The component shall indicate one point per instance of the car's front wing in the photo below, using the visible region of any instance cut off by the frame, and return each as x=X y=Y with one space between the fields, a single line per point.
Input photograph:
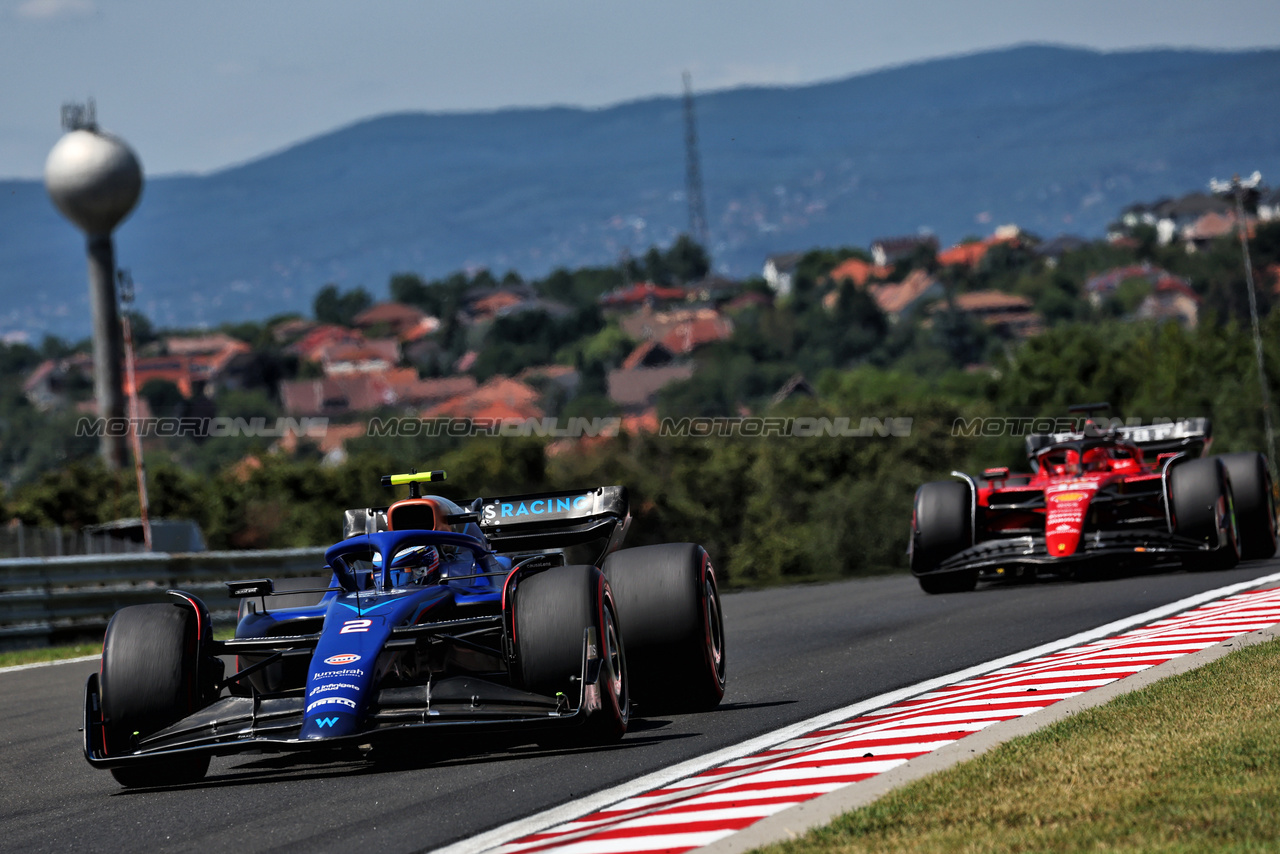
x=270 y=723
x=1128 y=547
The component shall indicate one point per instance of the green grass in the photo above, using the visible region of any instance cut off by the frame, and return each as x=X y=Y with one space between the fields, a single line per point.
x=49 y=653
x=57 y=653
x=1189 y=764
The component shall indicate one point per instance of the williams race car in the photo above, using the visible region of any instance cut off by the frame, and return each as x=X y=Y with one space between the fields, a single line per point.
x=510 y=614
x=1101 y=497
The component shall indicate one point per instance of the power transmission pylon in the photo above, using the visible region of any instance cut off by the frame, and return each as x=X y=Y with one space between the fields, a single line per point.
x=693 y=172
x=1236 y=189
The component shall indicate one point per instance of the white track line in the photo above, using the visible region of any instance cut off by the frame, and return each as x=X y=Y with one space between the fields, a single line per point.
x=592 y=803
x=16 y=667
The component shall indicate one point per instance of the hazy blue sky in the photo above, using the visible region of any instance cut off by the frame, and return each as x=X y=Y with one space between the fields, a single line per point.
x=198 y=86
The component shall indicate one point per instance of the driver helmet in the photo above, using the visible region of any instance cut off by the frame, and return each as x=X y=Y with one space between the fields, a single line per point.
x=425 y=562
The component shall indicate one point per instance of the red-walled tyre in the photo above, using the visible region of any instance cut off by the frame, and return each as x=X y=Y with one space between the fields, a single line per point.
x=670 y=606
x=1203 y=510
x=149 y=681
x=553 y=610
x=1254 y=502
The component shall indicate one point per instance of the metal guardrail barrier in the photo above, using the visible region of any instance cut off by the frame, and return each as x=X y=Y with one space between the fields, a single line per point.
x=54 y=599
x=20 y=541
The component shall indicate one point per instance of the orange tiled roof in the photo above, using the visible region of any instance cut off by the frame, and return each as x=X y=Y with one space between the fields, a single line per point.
x=312 y=345
x=395 y=314
x=500 y=397
x=643 y=422
x=969 y=254
x=642 y=292
x=687 y=337
x=858 y=271
x=216 y=342
x=495 y=303
x=991 y=301
x=896 y=297
x=964 y=254
x=642 y=352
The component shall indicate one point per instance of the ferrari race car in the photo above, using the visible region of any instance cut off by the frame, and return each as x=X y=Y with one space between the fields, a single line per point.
x=517 y=613
x=1102 y=497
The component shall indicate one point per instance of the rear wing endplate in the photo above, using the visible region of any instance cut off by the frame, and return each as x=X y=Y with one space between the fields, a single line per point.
x=1190 y=434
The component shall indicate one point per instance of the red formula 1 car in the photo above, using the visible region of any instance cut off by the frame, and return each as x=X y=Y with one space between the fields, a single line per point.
x=1104 y=497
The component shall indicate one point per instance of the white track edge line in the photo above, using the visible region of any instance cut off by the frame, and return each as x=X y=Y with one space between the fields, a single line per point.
x=16 y=667
x=583 y=806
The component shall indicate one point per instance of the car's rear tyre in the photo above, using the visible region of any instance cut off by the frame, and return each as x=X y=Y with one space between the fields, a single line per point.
x=149 y=681
x=942 y=525
x=553 y=610
x=1254 y=502
x=1202 y=510
x=670 y=604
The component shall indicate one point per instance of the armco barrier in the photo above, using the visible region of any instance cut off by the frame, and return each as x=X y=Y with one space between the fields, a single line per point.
x=43 y=600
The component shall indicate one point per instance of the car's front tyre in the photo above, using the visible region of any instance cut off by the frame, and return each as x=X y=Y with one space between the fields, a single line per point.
x=553 y=611
x=942 y=525
x=149 y=680
x=1202 y=509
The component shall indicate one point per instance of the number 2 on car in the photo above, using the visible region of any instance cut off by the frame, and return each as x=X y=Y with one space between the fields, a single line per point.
x=352 y=626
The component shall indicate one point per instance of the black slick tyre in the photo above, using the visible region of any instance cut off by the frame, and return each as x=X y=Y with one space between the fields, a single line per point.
x=670 y=605
x=1202 y=510
x=553 y=611
x=1251 y=493
x=149 y=681
x=942 y=525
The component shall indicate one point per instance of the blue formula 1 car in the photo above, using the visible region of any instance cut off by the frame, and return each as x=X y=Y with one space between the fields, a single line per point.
x=509 y=614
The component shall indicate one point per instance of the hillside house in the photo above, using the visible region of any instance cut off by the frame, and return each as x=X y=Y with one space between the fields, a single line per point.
x=1099 y=287
x=371 y=356
x=779 y=270
x=1171 y=299
x=642 y=294
x=857 y=271
x=1011 y=315
x=650 y=354
x=345 y=394
x=501 y=398
x=396 y=319
x=51 y=384
x=682 y=330
x=889 y=250
x=971 y=254
x=636 y=389
x=313 y=344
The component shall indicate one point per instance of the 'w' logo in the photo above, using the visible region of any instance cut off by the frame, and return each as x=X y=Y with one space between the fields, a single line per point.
x=324 y=722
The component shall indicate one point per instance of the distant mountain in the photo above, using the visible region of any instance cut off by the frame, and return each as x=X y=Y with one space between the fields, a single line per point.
x=1053 y=139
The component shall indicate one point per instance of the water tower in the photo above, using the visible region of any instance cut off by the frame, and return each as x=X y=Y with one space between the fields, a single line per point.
x=94 y=179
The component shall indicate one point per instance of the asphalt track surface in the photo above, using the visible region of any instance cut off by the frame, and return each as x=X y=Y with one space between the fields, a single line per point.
x=792 y=653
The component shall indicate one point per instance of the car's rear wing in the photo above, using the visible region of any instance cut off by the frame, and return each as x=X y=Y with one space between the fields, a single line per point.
x=556 y=520
x=537 y=522
x=1191 y=435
